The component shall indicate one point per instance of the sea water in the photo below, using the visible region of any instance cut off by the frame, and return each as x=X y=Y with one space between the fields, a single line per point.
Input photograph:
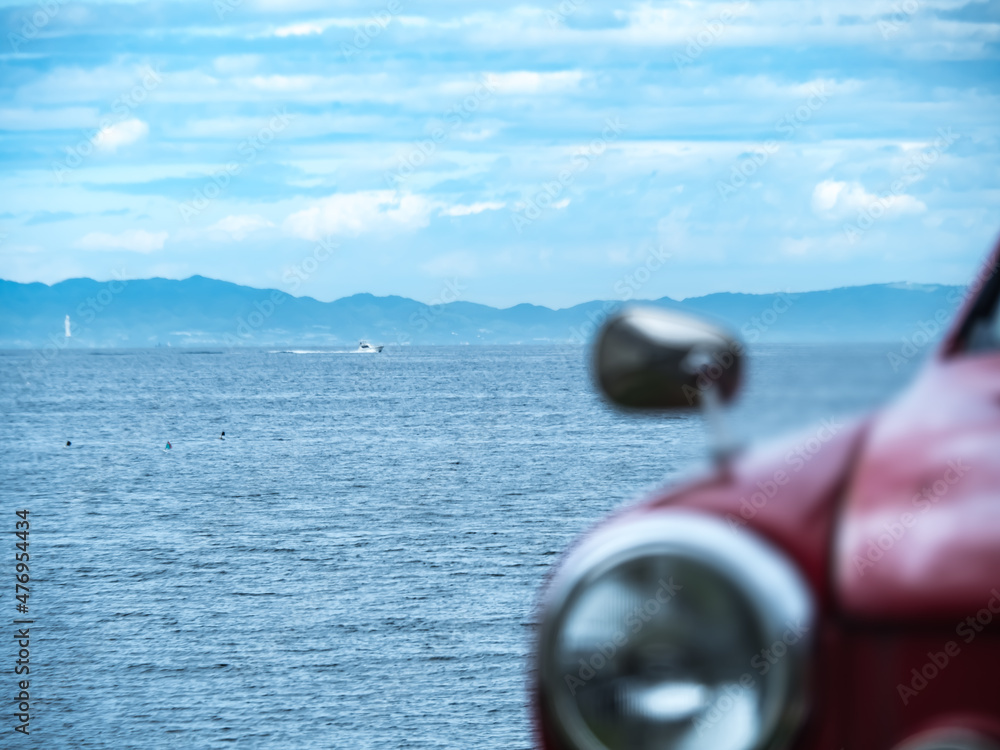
x=356 y=564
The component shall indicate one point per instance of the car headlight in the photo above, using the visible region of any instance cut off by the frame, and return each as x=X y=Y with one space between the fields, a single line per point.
x=674 y=631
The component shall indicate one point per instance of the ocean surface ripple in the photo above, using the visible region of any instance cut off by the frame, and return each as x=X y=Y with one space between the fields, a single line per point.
x=356 y=564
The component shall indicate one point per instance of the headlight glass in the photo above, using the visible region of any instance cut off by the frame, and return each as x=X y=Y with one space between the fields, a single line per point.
x=675 y=632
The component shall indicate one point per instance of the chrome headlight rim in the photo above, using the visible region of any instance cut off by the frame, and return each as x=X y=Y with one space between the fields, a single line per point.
x=766 y=577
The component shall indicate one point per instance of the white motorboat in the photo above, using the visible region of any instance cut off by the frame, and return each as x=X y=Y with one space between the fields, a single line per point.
x=365 y=348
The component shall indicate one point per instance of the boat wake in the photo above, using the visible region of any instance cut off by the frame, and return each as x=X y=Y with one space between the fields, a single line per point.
x=306 y=351
x=363 y=348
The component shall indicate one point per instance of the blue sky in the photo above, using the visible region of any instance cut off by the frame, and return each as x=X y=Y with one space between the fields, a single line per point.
x=548 y=153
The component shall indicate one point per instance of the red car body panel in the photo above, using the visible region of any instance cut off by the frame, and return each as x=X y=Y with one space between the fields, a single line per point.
x=920 y=530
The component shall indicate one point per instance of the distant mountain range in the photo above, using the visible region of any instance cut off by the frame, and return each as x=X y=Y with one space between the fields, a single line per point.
x=206 y=312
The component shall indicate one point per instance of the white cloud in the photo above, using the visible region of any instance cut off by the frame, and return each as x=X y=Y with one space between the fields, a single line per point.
x=473 y=208
x=320 y=25
x=122 y=133
x=837 y=200
x=699 y=26
x=238 y=227
x=282 y=83
x=530 y=82
x=826 y=194
x=356 y=213
x=136 y=241
x=300 y=29
x=477 y=135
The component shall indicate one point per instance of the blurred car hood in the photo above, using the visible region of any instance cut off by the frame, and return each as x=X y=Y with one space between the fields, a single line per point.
x=919 y=535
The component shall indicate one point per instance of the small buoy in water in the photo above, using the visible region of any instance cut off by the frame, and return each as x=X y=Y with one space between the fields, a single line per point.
x=68 y=444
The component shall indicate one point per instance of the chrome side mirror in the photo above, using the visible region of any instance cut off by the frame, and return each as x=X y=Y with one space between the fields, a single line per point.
x=649 y=358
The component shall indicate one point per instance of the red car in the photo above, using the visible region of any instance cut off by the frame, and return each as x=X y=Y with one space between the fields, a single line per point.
x=838 y=592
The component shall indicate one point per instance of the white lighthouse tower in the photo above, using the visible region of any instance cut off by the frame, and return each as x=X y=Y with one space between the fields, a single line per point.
x=69 y=334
